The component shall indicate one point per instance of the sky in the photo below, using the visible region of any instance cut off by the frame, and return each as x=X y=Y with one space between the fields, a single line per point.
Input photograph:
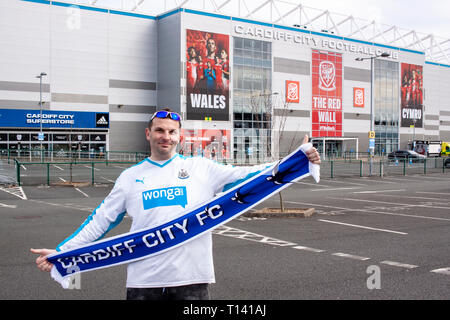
x=423 y=16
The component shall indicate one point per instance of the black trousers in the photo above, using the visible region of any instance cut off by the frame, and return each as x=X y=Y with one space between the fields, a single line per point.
x=188 y=292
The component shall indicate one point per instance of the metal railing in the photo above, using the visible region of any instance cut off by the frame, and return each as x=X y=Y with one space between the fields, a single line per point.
x=70 y=156
x=95 y=171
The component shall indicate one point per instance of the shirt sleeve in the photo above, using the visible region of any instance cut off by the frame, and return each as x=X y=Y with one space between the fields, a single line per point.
x=104 y=218
x=224 y=177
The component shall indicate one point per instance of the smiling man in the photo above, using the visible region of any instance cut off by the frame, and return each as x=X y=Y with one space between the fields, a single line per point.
x=154 y=192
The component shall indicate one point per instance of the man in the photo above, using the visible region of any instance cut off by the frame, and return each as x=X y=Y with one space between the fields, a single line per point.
x=181 y=273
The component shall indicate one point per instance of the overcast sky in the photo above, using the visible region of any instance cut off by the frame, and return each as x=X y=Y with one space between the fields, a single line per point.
x=424 y=16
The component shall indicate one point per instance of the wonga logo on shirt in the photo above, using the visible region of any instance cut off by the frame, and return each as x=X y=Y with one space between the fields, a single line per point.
x=164 y=197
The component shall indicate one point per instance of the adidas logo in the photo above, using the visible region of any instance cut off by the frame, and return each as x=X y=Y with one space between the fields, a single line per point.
x=102 y=121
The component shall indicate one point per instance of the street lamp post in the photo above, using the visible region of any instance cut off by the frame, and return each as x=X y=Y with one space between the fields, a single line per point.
x=41 y=137
x=372 y=147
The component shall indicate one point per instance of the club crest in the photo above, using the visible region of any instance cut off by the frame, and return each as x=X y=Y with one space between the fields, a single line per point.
x=183 y=174
x=327 y=76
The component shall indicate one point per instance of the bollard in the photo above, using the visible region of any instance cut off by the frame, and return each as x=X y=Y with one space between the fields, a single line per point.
x=360 y=168
x=331 y=162
x=17 y=171
x=92 y=174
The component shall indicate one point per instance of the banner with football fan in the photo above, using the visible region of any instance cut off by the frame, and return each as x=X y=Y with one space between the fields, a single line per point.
x=411 y=95
x=326 y=94
x=207 y=75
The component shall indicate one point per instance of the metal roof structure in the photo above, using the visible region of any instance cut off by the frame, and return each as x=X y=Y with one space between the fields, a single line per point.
x=293 y=13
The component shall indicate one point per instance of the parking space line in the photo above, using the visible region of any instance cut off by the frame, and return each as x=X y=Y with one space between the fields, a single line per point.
x=346 y=182
x=363 y=227
x=328 y=189
x=445 y=271
x=109 y=180
x=308 y=249
x=424 y=192
x=57 y=167
x=398 y=264
x=62 y=179
x=311 y=184
x=84 y=194
x=12 y=206
x=90 y=167
x=393 y=203
x=369 y=211
x=373 y=181
x=350 y=256
x=380 y=191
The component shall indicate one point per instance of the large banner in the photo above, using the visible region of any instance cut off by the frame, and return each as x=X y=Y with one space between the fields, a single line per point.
x=207 y=75
x=326 y=94
x=412 y=95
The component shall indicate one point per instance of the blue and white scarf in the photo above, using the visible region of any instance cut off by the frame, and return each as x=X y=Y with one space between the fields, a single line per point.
x=222 y=208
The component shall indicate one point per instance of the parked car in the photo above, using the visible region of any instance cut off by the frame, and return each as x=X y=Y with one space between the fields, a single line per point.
x=447 y=163
x=406 y=155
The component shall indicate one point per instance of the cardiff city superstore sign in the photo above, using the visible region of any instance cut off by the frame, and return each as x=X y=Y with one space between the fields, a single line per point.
x=13 y=118
x=310 y=40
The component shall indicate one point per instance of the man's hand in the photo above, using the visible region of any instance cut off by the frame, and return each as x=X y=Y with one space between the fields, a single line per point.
x=313 y=155
x=41 y=261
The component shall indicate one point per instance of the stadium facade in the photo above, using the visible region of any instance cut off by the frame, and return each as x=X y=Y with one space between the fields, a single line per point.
x=247 y=89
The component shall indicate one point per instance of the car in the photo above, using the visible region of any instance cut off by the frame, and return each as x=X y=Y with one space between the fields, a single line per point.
x=408 y=155
x=447 y=163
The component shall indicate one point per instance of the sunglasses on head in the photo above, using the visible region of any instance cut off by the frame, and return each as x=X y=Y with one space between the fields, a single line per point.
x=166 y=114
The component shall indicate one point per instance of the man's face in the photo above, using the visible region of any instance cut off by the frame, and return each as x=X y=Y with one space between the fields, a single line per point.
x=211 y=45
x=164 y=136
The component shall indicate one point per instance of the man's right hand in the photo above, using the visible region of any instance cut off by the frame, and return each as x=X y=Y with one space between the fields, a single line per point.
x=41 y=261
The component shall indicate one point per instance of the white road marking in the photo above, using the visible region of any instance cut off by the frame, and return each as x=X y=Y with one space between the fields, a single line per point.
x=369 y=211
x=245 y=235
x=108 y=179
x=398 y=264
x=12 y=206
x=308 y=249
x=402 y=179
x=363 y=227
x=392 y=203
x=328 y=189
x=350 y=256
x=62 y=179
x=448 y=194
x=90 y=167
x=311 y=184
x=16 y=191
x=23 y=167
x=57 y=167
x=380 y=191
x=445 y=271
x=374 y=181
x=346 y=182
x=84 y=194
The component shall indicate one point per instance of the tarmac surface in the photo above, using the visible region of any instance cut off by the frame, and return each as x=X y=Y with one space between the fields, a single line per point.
x=369 y=239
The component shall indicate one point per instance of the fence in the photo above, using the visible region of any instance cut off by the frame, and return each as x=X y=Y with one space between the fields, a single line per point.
x=97 y=172
x=381 y=167
x=60 y=173
x=70 y=156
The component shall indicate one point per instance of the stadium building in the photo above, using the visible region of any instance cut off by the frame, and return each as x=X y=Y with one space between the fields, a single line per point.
x=247 y=88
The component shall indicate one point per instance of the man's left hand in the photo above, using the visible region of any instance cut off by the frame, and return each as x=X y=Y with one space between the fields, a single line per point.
x=312 y=154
